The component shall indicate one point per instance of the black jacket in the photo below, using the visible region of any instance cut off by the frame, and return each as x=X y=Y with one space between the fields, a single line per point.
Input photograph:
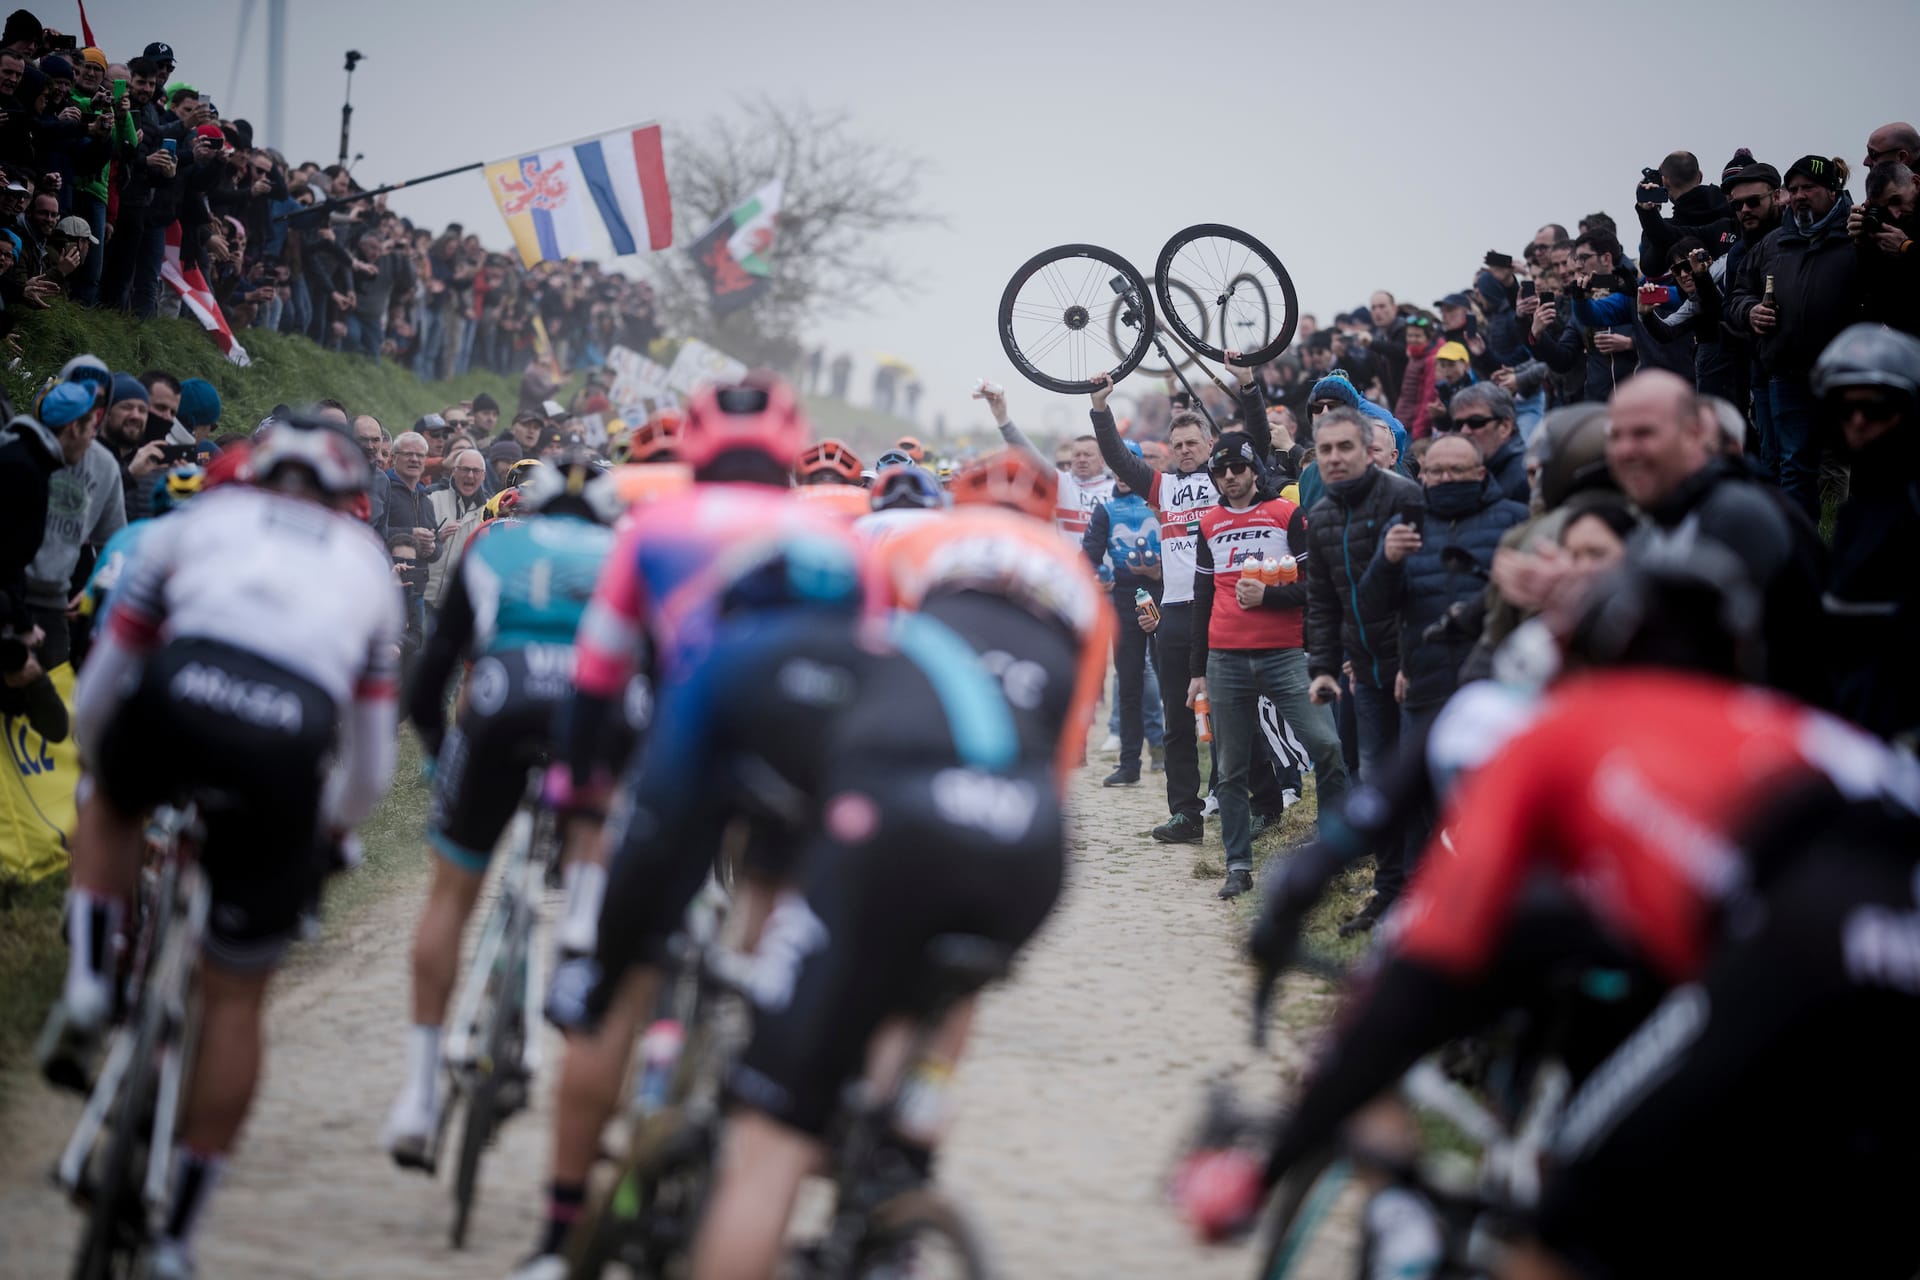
x=29 y=455
x=1703 y=213
x=1343 y=532
x=1817 y=286
x=1872 y=601
x=1569 y=349
x=1784 y=557
x=1891 y=281
x=1507 y=469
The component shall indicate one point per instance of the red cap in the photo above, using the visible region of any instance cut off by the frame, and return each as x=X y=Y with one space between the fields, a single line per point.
x=211 y=131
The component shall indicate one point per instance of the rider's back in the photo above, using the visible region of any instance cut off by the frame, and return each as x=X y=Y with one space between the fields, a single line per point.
x=530 y=581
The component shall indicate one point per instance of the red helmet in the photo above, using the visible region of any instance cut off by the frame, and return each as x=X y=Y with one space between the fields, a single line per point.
x=759 y=413
x=1008 y=478
x=658 y=438
x=912 y=448
x=832 y=457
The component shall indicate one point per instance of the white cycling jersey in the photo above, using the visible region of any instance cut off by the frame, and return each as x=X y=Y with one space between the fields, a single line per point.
x=306 y=588
x=877 y=527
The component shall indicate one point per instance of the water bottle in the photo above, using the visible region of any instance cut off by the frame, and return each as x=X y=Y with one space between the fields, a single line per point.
x=1288 y=570
x=1145 y=551
x=1203 y=719
x=1144 y=606
x=659 y=1054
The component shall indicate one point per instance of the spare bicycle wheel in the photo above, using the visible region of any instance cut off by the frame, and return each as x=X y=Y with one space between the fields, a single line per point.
x=1047 y=318
x=1192 y=310
x=1247 y=292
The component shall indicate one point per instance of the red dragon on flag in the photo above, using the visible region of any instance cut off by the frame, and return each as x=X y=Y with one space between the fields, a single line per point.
x=536 y=188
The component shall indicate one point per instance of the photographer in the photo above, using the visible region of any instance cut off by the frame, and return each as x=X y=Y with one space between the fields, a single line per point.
x=1607 y=358
x=1700 y=209
x=1884 y=230
x=383 y=269
x=411 y=577
x=111 y=132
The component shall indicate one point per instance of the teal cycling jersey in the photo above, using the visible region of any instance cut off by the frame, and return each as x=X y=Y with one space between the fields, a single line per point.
x=528 y=582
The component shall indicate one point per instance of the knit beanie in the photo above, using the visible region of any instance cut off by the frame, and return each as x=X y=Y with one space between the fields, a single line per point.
x=199 y=404
x=128 y=387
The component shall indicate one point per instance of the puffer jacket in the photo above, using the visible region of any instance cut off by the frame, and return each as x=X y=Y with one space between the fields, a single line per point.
x=1420 y=589
x=1816 y=283
x=1343 y=532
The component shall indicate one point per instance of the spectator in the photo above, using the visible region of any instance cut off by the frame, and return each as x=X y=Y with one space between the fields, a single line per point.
x=1592 y=346
x=404 y=547
x=1700 y=209
x=1815 y=273
x=85 y=507
x=1896 y=142
x=35 y=448
x=486 y=417
x=1885 y=231
x=36 y=228
x=1125 y=531
x=1343 y=532
x=528 y=426
x=408 y=507
x=502 y=456
x=1497 y=288
x=163 y=402
x=1418 y=382
x=198 y=414
x=140 y=457
x=370 y=436
x=1753 y=192
x=1483 y=414
x=461 y=504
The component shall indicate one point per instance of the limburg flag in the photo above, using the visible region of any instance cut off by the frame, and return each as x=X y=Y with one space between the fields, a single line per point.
x=734 y=252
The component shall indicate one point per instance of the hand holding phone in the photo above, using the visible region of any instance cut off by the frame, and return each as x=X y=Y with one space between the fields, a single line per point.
x=1653 y=295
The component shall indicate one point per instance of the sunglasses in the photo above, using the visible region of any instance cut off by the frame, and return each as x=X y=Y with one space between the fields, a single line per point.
x=1231 y=468
x=1873 y=408
x=1321 y=406
x=1754 y=202
x=1475 y=422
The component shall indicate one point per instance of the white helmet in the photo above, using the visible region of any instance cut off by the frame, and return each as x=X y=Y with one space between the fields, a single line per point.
x=323 y=450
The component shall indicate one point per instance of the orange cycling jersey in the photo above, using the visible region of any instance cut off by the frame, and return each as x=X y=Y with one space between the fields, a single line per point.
x=848 y=500
x=638 y=482
x=1002 y=553
x=1636 y=788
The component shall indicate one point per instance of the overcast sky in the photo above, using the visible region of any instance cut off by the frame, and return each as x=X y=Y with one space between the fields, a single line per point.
x=1371 y=145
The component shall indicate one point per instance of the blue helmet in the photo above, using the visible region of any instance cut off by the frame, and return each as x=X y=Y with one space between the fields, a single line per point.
x=906 y=488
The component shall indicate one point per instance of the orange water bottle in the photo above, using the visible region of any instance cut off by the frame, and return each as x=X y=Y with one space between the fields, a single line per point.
x=1202 y=719
x=1289 y=571
x=1269 y=571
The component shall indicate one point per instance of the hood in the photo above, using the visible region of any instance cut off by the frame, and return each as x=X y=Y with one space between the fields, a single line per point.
x=37 y=435
x=1703 y=206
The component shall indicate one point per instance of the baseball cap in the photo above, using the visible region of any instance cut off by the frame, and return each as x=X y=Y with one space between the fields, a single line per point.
x=553 y=409
x=159 y=51
x=86 y=368
x=1454 y=300
x=14 y=184
x=63 y=403
x=76 y=228
x=430 y=422
x=1759 y=171
x=1452 y=351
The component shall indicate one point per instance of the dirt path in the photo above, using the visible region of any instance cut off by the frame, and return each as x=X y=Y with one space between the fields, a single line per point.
x=1085 y=1072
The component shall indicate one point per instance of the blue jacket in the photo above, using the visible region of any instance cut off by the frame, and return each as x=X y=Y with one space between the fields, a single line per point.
x=1125 y=518
x=1336 y=387
x=1506 y=342
x=1420 y=589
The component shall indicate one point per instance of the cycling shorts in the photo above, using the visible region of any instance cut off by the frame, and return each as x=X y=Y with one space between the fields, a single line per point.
x=504 y=729
x=249 y=742
x=903 y=857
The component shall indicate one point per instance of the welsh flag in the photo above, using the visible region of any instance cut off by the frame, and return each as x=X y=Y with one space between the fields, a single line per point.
x=734 y=253
x=196 y=297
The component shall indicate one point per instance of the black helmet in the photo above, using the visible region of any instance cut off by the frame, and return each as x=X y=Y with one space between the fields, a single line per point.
x=1689 y=607
x=1867 y=355
x=1573 y=444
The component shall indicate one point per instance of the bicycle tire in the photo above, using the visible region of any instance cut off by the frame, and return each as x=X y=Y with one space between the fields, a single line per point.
x=913 y=1215
x=1074 y=317
x=667 y=1146
x=1152 y=366
x=1300 y=1206
x=118 y=1180
x=483 y=1098
x=1266 y=307
x=1289 y=296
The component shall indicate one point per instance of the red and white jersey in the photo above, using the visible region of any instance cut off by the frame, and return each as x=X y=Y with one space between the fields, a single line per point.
x=1181 y=501
x=1233 y=538
x=1074 y=502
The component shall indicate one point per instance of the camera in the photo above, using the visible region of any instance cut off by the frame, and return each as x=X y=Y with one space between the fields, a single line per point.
x=412 y=573
x=1650 y=178
x=1873 y=220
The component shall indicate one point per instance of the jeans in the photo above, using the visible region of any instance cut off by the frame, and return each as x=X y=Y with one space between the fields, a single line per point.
x=86 y=286
x=1235 y=680
x=463 y=351
x=298 y=316
x=1175 y=649
x=364 y=334
x=1791 y=450
x=1135 y=714
x=268 y=315
x=426 y=361
x=1377 y=718
x=1394 y=867
x=149 y=254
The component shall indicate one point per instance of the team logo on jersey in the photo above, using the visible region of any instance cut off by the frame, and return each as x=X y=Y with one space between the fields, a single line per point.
x=265 y=706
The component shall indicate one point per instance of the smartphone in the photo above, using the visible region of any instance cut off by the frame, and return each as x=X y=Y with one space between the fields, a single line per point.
x=1608 y=283
x=175 y=454
x=169 y=146
x=1526 y=288
x=1653 y=295
x=119 y=88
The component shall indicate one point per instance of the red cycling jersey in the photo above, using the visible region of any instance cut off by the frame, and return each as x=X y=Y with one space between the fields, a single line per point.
x=1635 y=787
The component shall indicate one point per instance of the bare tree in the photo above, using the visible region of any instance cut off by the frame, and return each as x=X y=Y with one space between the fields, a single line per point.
x=842 y=193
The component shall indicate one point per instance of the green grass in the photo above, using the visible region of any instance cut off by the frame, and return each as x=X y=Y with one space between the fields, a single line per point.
x=285 y=370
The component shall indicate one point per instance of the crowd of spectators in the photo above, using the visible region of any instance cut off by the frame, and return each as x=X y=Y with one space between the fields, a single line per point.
x=106 y=157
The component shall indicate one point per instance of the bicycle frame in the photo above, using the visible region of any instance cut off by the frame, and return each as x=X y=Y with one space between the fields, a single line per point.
x=520 y=888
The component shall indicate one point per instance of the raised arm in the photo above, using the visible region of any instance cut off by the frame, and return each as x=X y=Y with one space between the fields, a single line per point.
x=1016 y=438
x=1131 y=471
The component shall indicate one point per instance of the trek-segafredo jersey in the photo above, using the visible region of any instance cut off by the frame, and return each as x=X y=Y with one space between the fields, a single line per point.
x=1181 y=501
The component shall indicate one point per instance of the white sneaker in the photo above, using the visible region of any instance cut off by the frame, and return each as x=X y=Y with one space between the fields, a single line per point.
x=541 y=1266
x=1112 y=743
x=1211 y=808
x=408 y=1136
x=169 y=1260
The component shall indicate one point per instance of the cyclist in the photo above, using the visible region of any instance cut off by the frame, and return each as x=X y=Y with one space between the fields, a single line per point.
x=251 y=654
x=657 y=439
x=176 y=488
x=923 y=763
x=828 y=462
x=511 y=609
x=1647 y=784
x=901 y=498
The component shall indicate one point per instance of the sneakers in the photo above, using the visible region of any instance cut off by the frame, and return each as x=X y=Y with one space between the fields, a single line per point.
x=68 y=1050
x=1123 y=777
x=408 y=1136
x=1211 y=808
x=1366 y=917
x=1259 y=822
x=1238 y=881
x=1112 y=744
x=541 y=1266
x=1156 y=759
x=169 y=1260
x=1181 y=828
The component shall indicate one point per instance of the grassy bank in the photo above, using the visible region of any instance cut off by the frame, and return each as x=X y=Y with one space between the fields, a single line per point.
x=284 y=371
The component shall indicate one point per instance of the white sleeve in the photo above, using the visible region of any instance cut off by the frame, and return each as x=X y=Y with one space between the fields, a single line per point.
x=369 y=729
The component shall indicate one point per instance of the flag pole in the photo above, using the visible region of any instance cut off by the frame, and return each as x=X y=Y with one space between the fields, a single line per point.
x=318 y=211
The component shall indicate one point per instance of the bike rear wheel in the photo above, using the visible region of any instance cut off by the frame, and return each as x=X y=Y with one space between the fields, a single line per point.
x=1194 y=311
x=501 y=1053
x=919 y=1234
x=1313 y=1227
x=116 y=1226
x=1046 y=318
x=1241 y=282
x=649 y=1213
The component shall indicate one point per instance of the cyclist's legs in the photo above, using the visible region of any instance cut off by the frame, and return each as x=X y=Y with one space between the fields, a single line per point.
x=591 y=1072
x=226 y=1073
x=436 y=940
x=746 y=1220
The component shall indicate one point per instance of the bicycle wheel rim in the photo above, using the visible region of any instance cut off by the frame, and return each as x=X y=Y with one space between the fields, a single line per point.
x=1303 y=1203
x=910 y=1231
x=1213 y=258
x=116 y=1195
x=1046 y=318
x=483 y=1099
x=1152 y=365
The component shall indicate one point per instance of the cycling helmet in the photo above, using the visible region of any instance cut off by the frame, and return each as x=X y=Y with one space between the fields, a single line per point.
x=518 y=473
x=891 y=458
x=830 y=461
x=1008 y=478
x=1689 y=607
x=804 y=570
x=1866 y=355
x=658 y=438
x=906 y=488
x=912 y=448
x=1573 y=443
x=759 y=413
x=180 y=483
x=503 y=503
x=572 y=486
x=320 y=449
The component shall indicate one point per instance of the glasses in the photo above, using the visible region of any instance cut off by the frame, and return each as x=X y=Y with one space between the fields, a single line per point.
x=410 y=453
x=1872 y=408
x=469 y=471
x=1754 y=202
x=1474 y=422
x=1451 y=473
x=459 y=424
x=1232 y=469
x=1321 y=406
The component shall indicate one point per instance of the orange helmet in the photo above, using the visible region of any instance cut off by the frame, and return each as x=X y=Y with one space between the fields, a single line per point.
x=912 y=448
x=1008 y=478
x=831 y=457
x=658 y=438
x=760 y=412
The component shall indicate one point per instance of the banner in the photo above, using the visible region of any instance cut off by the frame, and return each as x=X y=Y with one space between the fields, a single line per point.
x=639 y=385
x=36 y=794
x=196 y=297
x=733 y=254
x=555 y=199
x=697 y=363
